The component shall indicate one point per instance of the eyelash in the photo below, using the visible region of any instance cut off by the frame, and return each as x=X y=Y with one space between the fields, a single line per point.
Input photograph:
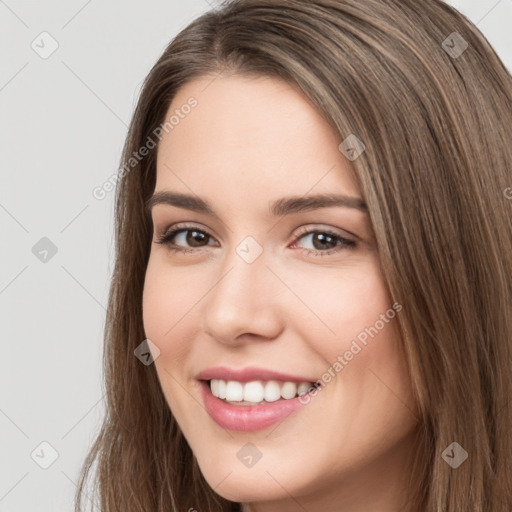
x=166 y=238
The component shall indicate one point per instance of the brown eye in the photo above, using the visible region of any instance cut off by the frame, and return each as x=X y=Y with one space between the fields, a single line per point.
x=184 y=239
x=195 y=238
x=325 y=241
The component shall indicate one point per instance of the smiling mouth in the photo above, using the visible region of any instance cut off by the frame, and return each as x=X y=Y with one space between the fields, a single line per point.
x=257 y=392
x=243 y=406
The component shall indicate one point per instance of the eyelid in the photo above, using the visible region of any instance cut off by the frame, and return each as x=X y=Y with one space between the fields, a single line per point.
x=302 y=230
x=164 y=237
x=182 y=226
x=342 y=233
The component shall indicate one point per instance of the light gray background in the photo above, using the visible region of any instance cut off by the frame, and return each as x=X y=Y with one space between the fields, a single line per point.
x=63 y=120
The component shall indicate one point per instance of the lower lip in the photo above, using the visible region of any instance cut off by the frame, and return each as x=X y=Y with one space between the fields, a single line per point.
x=247 y=418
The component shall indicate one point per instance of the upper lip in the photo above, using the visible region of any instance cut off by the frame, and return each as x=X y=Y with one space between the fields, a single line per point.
x=248 y=374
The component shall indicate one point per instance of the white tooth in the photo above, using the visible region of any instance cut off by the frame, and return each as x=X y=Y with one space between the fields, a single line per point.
x=253 y=391
x=289 y=390
x=214 y=386
x=234 y=391
x=221 y=388
x=303 y=387
x=272 y=391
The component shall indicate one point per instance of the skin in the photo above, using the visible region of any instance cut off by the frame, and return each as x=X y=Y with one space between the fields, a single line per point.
x=250 y=141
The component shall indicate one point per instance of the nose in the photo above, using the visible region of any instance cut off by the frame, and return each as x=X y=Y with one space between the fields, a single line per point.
x=243 y=304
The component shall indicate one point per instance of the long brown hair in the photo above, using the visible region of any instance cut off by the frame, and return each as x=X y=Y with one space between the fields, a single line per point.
x=431 y=100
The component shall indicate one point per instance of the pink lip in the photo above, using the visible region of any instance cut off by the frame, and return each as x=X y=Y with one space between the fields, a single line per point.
x=246 y=418
x=248 y=374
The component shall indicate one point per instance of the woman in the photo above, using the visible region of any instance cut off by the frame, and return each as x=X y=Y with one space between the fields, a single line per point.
x=311 y=303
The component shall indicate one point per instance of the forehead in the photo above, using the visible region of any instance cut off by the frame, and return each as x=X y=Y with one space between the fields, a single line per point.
x=253 y=135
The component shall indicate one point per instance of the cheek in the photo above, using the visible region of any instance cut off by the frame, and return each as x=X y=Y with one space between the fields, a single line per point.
x=346 y=308
x=356 y=334
x=153 y=306
x=165 y=311
x=168 y=318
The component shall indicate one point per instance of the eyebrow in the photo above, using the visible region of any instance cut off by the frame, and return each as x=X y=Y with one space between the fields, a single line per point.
x=280 y=207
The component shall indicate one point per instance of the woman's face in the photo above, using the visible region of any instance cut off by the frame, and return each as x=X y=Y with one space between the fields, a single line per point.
x=274 y=286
